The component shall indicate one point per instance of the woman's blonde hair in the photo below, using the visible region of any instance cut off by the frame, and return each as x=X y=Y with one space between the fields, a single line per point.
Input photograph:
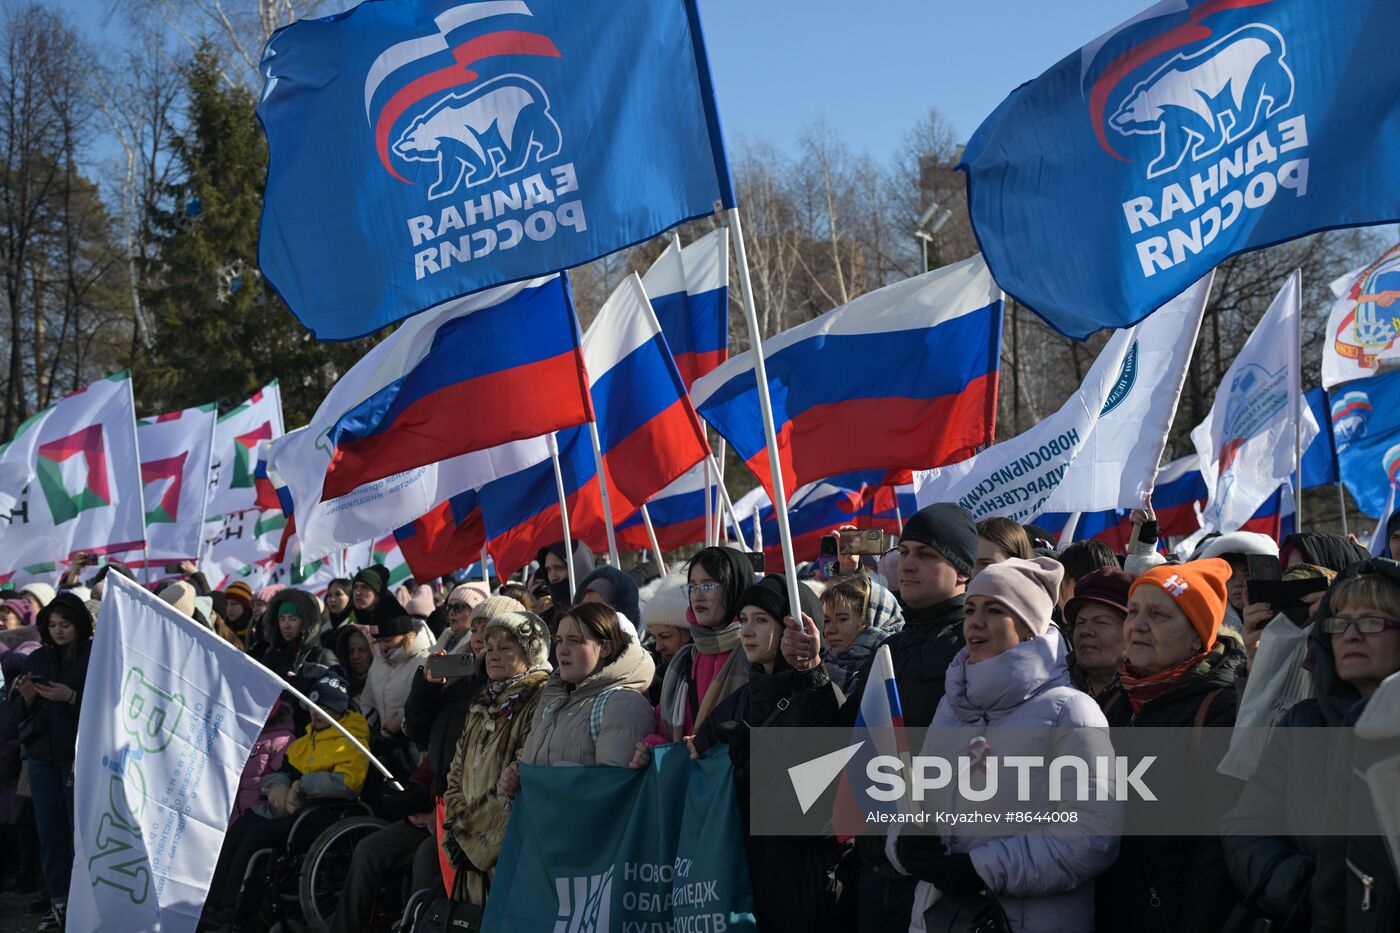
x=1365 y=591
x=851 y=590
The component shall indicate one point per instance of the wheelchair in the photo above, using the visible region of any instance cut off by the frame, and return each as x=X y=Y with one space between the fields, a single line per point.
x=298 y=886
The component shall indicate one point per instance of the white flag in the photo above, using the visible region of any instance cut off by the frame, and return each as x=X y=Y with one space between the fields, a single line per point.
x=298 y=461
x=84 y=491
x=176 y=451
x=170 y=714
x=1246 y=445
x=236 y=450
x=1364 y=326
x=1101 y=449
x=241 y=546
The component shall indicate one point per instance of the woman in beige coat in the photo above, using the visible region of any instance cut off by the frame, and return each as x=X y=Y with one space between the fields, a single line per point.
x=594 y=709
x=498 y=721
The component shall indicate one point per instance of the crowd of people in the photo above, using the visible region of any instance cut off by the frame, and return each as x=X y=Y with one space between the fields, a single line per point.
x=986 y=624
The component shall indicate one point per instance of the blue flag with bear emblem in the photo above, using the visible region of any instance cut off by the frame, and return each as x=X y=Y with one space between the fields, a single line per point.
x=424 y=149
x=1198 y=130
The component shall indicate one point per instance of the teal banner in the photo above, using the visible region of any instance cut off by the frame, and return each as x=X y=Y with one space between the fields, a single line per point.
x=598 y=850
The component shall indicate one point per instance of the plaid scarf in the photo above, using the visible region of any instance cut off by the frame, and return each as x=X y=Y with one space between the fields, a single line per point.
x=1142 y=688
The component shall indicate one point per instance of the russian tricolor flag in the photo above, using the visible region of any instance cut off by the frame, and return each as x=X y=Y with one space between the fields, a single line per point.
x=677 y=514
x=818 y=509
x=444 y=540
x=476 y=372
x=880 y=730
x=647 y=429
x=689 y=291
x=901 y=378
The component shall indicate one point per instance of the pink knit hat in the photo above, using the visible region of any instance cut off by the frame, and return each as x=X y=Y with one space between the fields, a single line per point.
x=421 y=602
x=1028 y=588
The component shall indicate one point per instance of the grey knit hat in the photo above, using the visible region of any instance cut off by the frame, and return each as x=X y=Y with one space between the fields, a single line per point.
x=494 y=606
x=528 y=630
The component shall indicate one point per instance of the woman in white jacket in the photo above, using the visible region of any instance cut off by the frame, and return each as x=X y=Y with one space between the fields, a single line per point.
x=401 y=642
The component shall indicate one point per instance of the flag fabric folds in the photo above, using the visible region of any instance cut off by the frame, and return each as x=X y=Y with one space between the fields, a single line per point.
x=168 y=722
x=82 y=487
x=444 y=540
x=647 y=429
x=1197 y=130
x=473 y=373
x=1102 y=448
x=677 y=514
x=176 y=450
x=1364 y=323
x=423 y=150
x=820 y=508
x=904 y=377
x=233 y=477
x=677 y=812
x=1246 y=444
x=689 y=291
x=1366 y=426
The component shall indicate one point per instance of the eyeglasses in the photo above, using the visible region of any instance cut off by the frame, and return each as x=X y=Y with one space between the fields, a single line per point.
x=1367 y=625
x=457 y=607
x=690 y=589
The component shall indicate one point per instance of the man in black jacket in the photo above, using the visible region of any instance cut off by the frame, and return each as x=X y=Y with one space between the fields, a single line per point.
x=936 y=553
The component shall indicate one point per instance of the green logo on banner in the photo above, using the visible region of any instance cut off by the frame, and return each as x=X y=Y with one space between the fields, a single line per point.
x=65 y=504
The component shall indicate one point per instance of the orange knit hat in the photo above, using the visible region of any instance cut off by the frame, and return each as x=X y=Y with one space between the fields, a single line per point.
x=1198 y=588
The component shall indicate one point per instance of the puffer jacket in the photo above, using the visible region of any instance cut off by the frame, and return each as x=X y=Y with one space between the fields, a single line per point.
x=50 y=729
x=325 y=762
x=1044 y=883
x=390 y=679
x=562 y=734
x=492 y=736
x=1275 y=871
x=433 y=717
x=288 y=658
x=1174 y=883
x=269 y=751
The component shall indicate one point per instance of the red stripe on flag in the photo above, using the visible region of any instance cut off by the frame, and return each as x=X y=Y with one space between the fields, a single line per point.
x=510 y=405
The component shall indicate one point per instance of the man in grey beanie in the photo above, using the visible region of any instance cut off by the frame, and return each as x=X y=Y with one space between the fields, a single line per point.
x=936 y=554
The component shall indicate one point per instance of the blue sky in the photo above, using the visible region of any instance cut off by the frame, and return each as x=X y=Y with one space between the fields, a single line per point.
x=873 y=68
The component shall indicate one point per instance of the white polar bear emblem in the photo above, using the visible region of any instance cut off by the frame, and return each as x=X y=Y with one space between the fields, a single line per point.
x=1212 y=97
x=486 y=132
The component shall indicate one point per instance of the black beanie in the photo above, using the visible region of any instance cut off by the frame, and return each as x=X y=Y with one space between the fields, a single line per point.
x=330 y=693
x=770 y=595
x=948 y=529
x=375 y=576
x=390 y=619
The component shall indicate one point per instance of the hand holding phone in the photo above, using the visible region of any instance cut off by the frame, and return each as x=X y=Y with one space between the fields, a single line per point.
x=449 y=666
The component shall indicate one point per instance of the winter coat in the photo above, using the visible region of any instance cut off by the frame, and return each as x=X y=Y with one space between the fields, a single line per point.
x=492 y=736
x=390 y=679
x=563 y=730
x=792 y=890
x=49 y=730
x=1355 y=888
x=1044 y=883
x=269 y=751
x=450 y=642
x=1275 y=871
x=921 y=653
x=325 y=762
x=1175 y=883
x=16 y=645
x=288 y=658
x=623 y=596
x=433 y=717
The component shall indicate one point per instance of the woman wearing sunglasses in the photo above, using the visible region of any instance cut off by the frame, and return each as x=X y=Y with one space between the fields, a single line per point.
x=1355 y=644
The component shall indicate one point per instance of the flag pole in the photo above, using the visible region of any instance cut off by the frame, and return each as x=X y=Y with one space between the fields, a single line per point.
x=1342 y=506
x=603 y=488
x=485 y=574
x=709 y=514
x=335 y=724
x=765 y=404
x=898 y=515
x=563 y=514
x=729 y=507
x=719 y=482
x=655 y=545
x=1298 y=406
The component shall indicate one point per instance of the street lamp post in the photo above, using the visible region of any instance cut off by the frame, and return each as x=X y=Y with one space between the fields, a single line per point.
x=930 y=222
